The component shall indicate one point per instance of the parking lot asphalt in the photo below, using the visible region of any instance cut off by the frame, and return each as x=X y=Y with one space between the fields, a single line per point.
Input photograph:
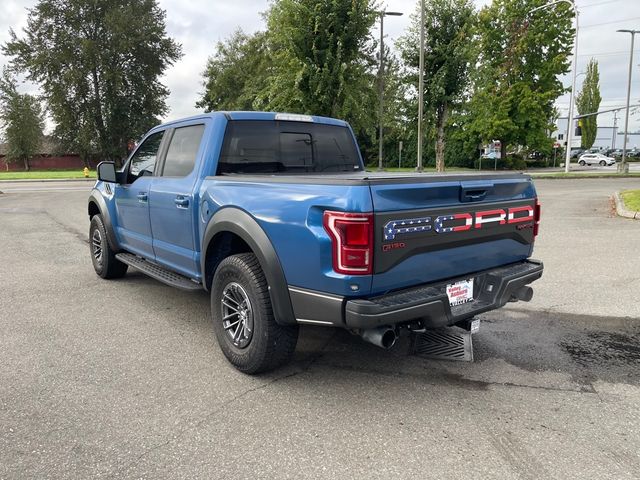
x=124 y=379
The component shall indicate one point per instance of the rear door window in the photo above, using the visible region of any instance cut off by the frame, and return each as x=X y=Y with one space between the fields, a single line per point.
x=182 y=151
x=287 y=147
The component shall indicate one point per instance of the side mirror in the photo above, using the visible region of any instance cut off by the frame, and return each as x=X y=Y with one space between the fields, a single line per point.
x=107 y=172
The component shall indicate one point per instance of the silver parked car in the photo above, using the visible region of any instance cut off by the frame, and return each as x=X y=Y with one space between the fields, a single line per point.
x=596 y=159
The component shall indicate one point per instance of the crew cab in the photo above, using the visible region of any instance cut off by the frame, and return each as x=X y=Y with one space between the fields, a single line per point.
x=276 y=217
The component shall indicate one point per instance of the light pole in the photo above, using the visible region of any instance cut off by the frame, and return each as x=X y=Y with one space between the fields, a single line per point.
x=568 y=147
x=381 y=81
x=573 y=69
x=624 y=167
x=420 y=88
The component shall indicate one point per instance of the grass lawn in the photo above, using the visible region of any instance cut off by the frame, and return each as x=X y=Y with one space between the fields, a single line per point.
x=45 y=175
x=583 y=175
x=632 y=200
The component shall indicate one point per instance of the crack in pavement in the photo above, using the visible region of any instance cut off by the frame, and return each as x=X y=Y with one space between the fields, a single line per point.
x=208 y=416
x=80 y=236
x=201 y=422
x=458 y=380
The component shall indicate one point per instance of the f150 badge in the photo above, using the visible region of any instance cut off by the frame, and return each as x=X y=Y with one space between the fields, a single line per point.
x=458 y=222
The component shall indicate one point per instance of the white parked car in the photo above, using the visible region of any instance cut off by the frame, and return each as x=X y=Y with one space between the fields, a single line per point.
x=596 y=159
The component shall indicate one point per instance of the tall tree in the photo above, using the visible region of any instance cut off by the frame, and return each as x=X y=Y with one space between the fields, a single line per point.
x=99 y=66
x=323 y=60
x=22 y=121
x=236 y=75
x=588 y=101
x=520 y=58
x=447 y=58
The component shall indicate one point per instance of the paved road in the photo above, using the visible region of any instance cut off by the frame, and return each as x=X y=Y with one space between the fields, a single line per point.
x=124 y=379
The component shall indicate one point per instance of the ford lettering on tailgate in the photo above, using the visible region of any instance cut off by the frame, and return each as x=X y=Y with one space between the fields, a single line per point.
x=458 y=222
x=400 y=235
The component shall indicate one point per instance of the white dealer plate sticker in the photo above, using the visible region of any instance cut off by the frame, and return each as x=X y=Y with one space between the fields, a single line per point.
x=460 y=292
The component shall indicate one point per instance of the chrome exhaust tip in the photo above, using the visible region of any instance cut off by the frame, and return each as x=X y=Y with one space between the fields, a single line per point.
x=383 y=337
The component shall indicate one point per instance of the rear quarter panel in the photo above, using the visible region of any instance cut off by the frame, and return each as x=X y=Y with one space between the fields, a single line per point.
x=291 y=216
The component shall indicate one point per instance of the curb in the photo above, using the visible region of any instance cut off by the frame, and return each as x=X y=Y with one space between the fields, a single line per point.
x=18 y=180
x=621 y=209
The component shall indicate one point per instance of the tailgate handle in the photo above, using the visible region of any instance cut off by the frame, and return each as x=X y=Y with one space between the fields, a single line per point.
x=476 y=194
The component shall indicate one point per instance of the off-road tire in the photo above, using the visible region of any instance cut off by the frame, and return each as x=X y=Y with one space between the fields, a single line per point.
x=105 y=262
x=270 y=345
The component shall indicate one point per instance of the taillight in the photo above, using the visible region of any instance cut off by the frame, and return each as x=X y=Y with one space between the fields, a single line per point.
x=536 y=218
x=352 y=241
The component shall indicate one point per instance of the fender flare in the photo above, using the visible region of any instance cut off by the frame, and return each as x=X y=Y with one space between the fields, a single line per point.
x=243 y=225
x=100 y=202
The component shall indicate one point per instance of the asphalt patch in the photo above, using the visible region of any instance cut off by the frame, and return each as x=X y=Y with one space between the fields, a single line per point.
x=604 y=348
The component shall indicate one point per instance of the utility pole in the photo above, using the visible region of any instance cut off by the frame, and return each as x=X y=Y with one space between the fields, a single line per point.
x=420 y=87
x=615 y=130
x=623 y=166
x=567 y=157
x=381 y=82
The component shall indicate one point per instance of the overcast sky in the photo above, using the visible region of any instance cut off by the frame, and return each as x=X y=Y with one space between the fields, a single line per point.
x=199 y=24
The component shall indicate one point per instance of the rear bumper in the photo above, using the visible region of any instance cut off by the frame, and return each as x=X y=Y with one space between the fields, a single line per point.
x=430 y=304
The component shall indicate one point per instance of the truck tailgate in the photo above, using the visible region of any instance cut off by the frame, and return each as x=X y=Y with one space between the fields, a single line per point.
x=436 y=227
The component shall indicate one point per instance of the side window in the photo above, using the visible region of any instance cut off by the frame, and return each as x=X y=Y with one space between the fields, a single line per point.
x=182 y=151
x=143 y=161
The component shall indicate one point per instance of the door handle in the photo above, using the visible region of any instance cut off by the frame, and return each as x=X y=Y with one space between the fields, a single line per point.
x=181 y=202
x=142 y=196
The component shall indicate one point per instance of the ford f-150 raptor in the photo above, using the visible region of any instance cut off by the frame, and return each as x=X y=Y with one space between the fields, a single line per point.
x=276 y=217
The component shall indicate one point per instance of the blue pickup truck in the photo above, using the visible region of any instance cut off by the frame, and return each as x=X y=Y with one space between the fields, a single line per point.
x=276 y=217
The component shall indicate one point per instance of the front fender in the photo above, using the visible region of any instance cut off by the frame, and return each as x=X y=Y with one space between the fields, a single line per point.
x=97 y=198
x=243 y=225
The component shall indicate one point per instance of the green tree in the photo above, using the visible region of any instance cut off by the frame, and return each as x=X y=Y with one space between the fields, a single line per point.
x=394 y=118
x=447 y=58
x=588 y=101
x=22 y=121
x=323 y=59
x=99 y=66
x=236 y=75
x=520 y=58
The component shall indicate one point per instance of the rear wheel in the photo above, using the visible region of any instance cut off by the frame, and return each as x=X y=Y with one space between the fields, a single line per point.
x=103 y=257
x=243 y=319
x=602 y=163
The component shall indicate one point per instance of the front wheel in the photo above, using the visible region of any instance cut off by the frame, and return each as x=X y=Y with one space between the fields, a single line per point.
x=581 y=163
x=243 y=319
x=103 y=257
x=602 y=163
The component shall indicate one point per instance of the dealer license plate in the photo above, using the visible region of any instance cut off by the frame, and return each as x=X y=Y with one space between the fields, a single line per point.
x=460 y=292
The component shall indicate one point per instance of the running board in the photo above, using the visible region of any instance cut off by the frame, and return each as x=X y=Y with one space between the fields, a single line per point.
x=159 y=273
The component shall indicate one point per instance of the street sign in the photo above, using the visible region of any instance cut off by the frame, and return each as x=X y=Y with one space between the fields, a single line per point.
x=556 y=145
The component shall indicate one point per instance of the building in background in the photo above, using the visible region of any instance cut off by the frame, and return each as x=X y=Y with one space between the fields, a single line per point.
x=606 y=137
x=50 y=157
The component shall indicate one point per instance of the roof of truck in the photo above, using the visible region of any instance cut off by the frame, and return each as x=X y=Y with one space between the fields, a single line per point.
x=241 y=115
